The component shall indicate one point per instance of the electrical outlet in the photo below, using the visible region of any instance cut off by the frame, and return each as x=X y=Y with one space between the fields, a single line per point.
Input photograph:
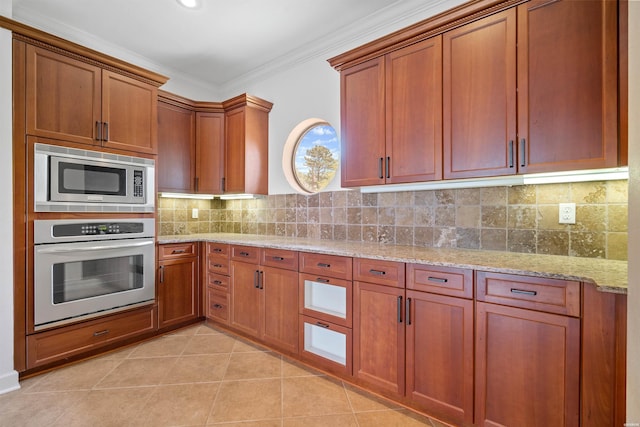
x=194 y=213
x=567 y=213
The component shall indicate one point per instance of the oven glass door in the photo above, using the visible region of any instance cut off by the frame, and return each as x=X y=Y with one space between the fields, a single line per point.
x=88 y=278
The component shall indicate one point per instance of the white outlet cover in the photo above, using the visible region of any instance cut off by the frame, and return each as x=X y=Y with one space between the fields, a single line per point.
x=194 y=213
x=567 y=213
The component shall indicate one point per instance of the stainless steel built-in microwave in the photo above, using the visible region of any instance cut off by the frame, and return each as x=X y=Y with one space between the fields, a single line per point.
x=72 y=180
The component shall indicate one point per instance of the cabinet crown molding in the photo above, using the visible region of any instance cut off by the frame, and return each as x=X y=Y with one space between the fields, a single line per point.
x=437 y=24
x=32 y=35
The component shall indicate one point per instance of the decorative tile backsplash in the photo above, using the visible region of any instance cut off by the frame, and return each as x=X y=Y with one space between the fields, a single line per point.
x=514 y=219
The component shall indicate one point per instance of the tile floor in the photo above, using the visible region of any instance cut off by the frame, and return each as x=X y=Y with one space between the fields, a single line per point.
x=196 y=376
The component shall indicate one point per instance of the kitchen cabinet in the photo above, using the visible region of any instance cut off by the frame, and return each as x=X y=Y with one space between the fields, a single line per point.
x=264 y=295
x=479 y=97
x=567 y=85
x=392 y=107
x=190 y=145
x=65 y=343
x=209 y=152
x=176 y=148
x=439 y=341
x=178 y=285
x=379 y=317
x=560 y=114
x=79 y=101
x=326 y=315
x=246 y=127
x=524 y=90
x=217 y=266
x=527 y=338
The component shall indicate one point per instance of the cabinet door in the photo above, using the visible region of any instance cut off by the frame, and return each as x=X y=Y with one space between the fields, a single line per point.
x=234 y=162
x=63 y=97
x=129 y=113
x=209 y=152
x=479 y=99
x=567 y=85
x=178 y=291
x=245 y=298
x=279 y=293
x=527 y=367
x=176 y=149
x=440 y=355
x=378 y=337
x=363 y=124
x=246 y=162
x=414 y=112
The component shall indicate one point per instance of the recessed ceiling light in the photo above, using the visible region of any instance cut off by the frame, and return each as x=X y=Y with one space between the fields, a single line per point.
x=191 y=4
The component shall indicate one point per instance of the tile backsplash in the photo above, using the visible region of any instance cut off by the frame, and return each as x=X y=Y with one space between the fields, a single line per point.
x=515 y=219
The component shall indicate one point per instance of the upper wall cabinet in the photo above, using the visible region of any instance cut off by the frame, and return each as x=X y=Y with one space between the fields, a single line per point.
x=246 y=162
x=479 y=102
x=71 y=100
x=567 y=85
x=523 y=89
x=212 y=147
x=176 y=147
x=392 y=106
x=190 y=145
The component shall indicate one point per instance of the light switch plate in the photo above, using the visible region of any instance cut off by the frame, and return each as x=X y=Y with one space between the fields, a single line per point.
x=567 y=213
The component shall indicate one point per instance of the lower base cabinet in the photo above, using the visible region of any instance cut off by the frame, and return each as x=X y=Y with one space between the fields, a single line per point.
x=264 y=299
x=439 y=372
x=378 y=337
x=527 y=368
x=177 y=284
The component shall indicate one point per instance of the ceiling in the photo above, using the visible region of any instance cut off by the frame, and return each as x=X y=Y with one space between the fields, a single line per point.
x=221 y=41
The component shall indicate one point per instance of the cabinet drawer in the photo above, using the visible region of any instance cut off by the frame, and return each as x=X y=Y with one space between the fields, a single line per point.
x=454 y=282
x=218 y=265
x=49 y=346
x=280 y=258
x=177 y=250
x=535 y=293
x=389 y=273
x=326 y=344
x=326 y=265
x=218 y=281
x=217 y=305
x=245 y=253
x=325 y=298
x=218 y=249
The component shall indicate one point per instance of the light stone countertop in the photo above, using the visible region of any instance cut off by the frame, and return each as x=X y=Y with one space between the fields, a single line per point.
x=606 y=275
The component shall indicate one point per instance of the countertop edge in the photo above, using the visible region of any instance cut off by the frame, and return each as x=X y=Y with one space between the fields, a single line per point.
x=612 y=278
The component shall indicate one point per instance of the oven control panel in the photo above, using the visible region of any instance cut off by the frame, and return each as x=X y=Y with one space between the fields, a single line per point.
x=75 y=230
x=92 y=229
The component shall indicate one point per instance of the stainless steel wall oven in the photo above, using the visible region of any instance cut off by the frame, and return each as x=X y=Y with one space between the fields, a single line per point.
x=88 y=268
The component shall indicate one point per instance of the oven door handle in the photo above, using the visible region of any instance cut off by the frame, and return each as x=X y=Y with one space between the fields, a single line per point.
x=93 y=248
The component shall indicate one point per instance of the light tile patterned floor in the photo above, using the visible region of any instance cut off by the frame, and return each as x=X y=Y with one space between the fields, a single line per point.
x=196 y=376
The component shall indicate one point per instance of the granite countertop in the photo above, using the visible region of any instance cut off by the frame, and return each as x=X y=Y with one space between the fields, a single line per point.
x=606 y=275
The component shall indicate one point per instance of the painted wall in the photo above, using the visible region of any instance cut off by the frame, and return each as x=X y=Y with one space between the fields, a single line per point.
x=8 y=377
x=633 y=325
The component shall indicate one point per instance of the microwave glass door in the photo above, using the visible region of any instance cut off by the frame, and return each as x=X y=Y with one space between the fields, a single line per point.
x=75 y=178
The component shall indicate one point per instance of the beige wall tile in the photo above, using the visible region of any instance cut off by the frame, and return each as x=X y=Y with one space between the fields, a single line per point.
x=489 y=218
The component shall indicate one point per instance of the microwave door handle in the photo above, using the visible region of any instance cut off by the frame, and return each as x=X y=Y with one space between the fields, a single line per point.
x=93 y=248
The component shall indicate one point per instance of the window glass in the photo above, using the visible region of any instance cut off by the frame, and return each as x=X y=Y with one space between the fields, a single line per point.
x=312 y=152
